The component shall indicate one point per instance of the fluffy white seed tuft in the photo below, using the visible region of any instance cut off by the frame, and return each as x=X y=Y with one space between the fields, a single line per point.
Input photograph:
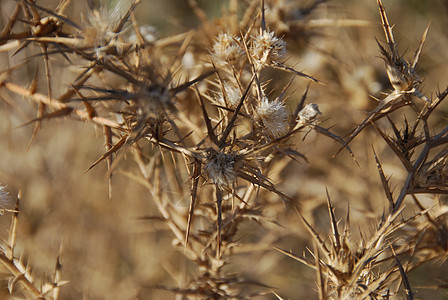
x=309 y=112
x=226 y=49
x=307 y=115
x=98 y=30
x=267 y=48
x=4 y=197
x=274 y=116
x=233 y=96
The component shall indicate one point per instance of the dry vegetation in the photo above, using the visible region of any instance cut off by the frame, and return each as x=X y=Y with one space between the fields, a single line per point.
x=224 y=149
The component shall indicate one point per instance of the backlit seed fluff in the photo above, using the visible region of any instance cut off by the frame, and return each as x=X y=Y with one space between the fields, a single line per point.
x=274 y=117
x=226 y=49
x=309 y=113
x=220 y=168
x=266 y=47
x=4 y=197
x=99 y=28
x=233 y=96
x=148 y=32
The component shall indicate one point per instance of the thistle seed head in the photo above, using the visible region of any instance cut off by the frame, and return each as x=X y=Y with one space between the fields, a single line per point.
x=274 y=117
x=220 y=168
x=98 y=31
x=232 y=93
x=156 y=102
x=309 y=113
x=226 y=49
x=267 y=48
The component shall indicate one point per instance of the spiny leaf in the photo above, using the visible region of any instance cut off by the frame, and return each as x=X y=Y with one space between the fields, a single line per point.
x=125 y=18
x=65 y=111
x=11 y=21
x=406 y=163
x=301 y=103
x=112 y=150
x=269 y=187
x=347 y=225
x=334 y=225
x=91 y=112
x=377 y=113
x=315 y=236
x=384 y=181
x=57 y=276
x=194 y=191
x=320 y=277
x=409 y=293
x=388 y=30
x=40 y=111
x=281 y=66
x=78 y=82
x=298 y=258
x=207 y=121
x=420 y=47
x=232 y=121
x=185 y=85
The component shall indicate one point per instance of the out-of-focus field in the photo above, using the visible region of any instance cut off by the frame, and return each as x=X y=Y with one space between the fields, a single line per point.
x=110 y=252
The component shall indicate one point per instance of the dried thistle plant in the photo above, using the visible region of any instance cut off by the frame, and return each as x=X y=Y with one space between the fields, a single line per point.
x=19 y=274
x=207 y=117
x=347 y=270
x=401 y=74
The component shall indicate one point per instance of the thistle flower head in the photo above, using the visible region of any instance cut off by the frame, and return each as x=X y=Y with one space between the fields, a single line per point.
x=220 y=167
x=274 y=117
x=267 y=48
x=226 y=49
